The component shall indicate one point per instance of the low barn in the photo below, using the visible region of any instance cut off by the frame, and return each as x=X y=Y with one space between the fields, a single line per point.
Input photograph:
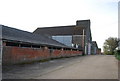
x=21 y=46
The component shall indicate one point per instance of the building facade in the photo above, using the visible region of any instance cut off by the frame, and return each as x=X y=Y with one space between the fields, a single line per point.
x=78 y=36
x=94 y=47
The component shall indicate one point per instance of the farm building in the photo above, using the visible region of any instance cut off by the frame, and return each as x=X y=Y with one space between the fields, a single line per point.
x=78 y=36
x=99 y=51
x=21 y=46
x=95 y=49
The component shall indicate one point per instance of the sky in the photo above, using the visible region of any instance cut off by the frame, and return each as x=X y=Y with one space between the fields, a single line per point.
x=29 y=14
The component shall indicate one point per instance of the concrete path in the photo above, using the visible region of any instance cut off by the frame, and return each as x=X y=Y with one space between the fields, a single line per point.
x=82 y=67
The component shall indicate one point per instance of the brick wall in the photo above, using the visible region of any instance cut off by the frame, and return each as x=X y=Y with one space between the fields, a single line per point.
x=12 y=55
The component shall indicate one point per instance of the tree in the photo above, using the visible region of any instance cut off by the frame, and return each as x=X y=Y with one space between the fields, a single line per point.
x=110 y=45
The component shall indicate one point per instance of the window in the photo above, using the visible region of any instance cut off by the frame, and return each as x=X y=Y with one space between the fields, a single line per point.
x=12 y=44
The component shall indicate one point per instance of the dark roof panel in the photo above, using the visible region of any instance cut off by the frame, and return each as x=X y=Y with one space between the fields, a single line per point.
x=9 y=33
x=60 y=30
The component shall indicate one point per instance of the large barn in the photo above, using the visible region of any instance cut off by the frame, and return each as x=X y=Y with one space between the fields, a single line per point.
x=78 y=35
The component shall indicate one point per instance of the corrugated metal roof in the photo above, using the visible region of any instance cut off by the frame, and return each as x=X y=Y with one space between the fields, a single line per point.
x=9 y=33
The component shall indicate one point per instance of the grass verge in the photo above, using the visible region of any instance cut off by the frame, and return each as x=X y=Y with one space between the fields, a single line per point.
x=117 y=54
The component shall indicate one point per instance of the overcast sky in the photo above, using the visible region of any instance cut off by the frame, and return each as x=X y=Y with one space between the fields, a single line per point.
x=30 y=14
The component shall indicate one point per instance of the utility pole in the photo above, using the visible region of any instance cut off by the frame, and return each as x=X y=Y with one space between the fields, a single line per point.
x=83 y=41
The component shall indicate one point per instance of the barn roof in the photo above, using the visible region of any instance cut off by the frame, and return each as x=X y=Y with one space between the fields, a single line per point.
x=14 y=34
x=60 y=30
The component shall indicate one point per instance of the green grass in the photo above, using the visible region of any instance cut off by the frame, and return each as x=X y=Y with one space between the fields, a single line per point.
x=117 y=54
x=118 y=57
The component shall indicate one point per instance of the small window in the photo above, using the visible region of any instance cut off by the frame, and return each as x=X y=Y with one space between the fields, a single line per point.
x=25 y=45
x=35 y=46
x=12 y=44
x=59 y=48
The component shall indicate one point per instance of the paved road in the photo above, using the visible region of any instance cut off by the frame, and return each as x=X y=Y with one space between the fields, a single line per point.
x=82 y=67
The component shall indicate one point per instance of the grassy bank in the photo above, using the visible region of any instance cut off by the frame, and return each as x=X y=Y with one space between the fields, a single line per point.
x=117 y=54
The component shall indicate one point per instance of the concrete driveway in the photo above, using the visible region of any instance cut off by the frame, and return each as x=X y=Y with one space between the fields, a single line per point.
x=80 y=67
